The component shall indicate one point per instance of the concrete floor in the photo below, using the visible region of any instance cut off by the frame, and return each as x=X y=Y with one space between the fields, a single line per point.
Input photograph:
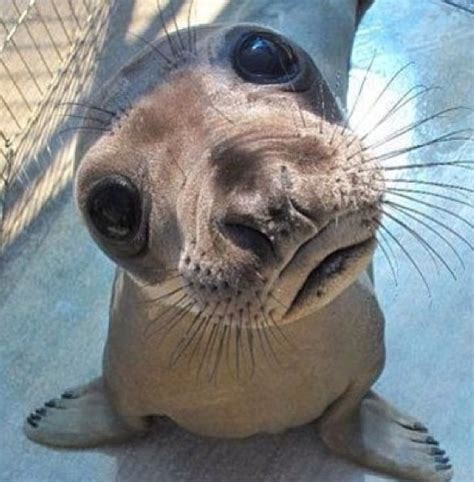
x=55 y=283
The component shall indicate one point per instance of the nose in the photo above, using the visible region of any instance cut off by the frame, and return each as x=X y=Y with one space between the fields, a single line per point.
x=249 y=235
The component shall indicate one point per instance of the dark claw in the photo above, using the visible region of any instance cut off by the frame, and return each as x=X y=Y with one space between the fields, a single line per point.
x=436 y=451
x=442 y=460
x=443 y=467
x=41 y=411
x=419 y=427
x=50 y=404
x=68 y=395
x=34 y=416
x=431 y=441
x=416 y=427
x=32 y=422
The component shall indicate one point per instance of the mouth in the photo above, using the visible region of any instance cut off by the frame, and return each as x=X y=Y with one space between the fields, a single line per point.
x=331 y=273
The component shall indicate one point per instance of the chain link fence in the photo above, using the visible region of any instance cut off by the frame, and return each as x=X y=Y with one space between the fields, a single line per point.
x=48 y=55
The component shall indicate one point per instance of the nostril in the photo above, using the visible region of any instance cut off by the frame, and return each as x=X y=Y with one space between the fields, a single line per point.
x=248 y=238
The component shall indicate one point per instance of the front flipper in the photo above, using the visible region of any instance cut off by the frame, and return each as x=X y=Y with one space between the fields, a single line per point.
x=378 y=436
x=82 y=417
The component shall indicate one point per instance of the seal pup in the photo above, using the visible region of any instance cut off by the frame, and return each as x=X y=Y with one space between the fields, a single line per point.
x=241 y=212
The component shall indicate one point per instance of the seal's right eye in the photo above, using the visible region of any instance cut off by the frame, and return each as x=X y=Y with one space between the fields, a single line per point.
x=114 y=208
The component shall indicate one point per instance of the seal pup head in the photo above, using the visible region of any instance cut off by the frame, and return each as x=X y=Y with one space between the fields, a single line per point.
x=234 y=168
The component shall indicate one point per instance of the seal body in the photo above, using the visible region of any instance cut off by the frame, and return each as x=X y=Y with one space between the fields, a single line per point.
x=241 y=212
x=293 y=390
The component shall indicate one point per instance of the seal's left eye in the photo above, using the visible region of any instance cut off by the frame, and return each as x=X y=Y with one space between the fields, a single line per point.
x=114 y=208
x=263 y=58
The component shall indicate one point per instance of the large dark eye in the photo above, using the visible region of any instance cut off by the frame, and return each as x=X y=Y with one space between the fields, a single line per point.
x=263 y=58
x=114 y=207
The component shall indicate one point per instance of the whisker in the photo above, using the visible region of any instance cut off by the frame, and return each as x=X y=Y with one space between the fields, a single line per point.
x=387 y=257
x=238 y=341
x=87 y=106
x=428 y=248
x=271 y=295
x=209 y=346
x=437 y=222
x=153 y=270
x=220 y=348
x=323 y=106
x=202 y=329
x=198 y=342
x=453 y=187
x=83 y=128
x=385 y=89
x=177 y=31
x=292 y=86
x=154 y=48
x=176 y=304
x=171 y=278
x=84 y=117
x=175 y=320
x=250 y=342
x=162 y=314
x=276 y=325
x=173 y=49
x=404 y=100
x=401 y=209
x=434 y=206
x=186 y=340
x=222 y=321
x=419 y=239
x=390 y=250
x=449 y=137
x=195 y=39
x=407 y=254
x=266 y=327
x=461 y=164
x=261 y=341
x=190 y=38
x=273 y=324
x=411 y=127
x=161 y=283
x=430 y=193
x=228 y=343
x=356 y=102
x=166 y=295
